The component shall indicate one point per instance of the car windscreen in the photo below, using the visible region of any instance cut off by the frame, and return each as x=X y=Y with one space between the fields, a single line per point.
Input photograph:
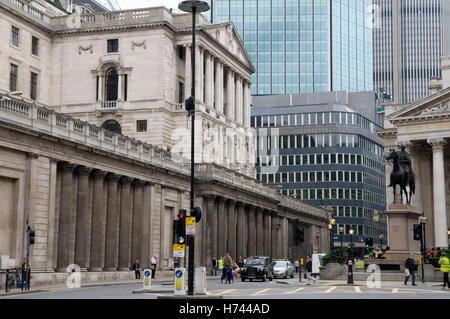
x=279 y=264
x=252 y=261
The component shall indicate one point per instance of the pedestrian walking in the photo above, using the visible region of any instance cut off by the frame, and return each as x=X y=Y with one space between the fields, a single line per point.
x=26 y=273
x=153 y=263
x=137 y=269
x=308 y=267
x=445 y=268
x=227 y=272
x=410 y=268
x=214 y=266
x=220 y=265
x=297 y=265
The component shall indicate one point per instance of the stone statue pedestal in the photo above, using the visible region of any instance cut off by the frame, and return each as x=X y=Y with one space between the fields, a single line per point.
x=401 y=218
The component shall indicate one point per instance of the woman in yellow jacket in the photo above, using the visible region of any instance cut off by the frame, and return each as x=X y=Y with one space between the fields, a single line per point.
x=445 y=268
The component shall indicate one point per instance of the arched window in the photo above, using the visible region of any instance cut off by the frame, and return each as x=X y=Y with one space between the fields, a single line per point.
x=113 y=126
x=112 y=85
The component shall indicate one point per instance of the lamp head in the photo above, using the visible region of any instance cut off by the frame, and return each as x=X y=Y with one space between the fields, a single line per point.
x=189 y=5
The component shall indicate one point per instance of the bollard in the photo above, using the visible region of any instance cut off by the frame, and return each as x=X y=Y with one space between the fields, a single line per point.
x=180 y=281
x=147 y=278
x=200 y=281
x=350 y=272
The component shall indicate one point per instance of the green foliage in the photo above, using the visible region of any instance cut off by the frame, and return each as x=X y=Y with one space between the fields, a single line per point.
x=327 y=258
x=434 y=261
x=359 y=264
x=371 y=255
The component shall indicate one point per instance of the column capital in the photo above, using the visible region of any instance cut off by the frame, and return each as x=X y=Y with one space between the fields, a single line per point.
x=113 y=178
x=82 y=170
x=221 y=199
x=259 y=210
x=98 y=174
x=125 y=180
x=231 y=202
x=210 y=197
x=137 y=183
x=32 y=155
x=66 y=167
x=437 y=143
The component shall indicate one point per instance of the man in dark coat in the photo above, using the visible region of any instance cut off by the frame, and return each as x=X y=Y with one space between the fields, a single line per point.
x=410 y=265
x=137 y=269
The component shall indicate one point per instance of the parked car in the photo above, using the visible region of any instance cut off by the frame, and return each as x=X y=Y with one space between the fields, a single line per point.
x=257 y=267
x=283 y=269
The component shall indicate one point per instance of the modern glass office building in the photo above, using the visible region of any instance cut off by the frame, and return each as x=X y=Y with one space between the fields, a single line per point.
x=323 y=149
x=303 y=46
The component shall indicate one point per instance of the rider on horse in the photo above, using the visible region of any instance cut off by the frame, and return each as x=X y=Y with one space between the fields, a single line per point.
x=405 y=161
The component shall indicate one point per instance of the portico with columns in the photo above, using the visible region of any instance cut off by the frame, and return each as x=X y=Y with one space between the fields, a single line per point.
x=424 y=128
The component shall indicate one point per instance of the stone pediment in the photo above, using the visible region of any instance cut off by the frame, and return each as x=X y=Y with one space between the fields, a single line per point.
x=227 y=36
x=437 y=104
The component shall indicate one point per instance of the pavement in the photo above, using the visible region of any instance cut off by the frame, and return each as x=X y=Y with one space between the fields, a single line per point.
x=276 y=289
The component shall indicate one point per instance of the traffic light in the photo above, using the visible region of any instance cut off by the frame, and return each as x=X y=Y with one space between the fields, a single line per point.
x=197 y=213
x=181 y=228
x=417 y=232
x=190 y=104
x=369 y=241
x=31 y=235
x=299 y=233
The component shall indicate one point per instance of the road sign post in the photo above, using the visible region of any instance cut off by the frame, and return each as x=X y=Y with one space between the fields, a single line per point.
x=180 y=281
x=147 y=278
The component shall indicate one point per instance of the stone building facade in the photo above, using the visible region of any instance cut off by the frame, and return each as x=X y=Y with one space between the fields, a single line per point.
x=130 y=71
x=100 y=200
x=424 y=128
x=98 y=193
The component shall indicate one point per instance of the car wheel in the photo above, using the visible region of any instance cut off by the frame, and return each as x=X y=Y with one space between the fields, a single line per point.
x=250 y=280
x=265 y=277
x=243 y=279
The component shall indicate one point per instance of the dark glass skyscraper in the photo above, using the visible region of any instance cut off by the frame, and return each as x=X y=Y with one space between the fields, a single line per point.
x=303 y=46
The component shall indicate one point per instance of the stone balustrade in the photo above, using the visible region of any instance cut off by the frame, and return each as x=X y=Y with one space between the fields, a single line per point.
x=63 y=126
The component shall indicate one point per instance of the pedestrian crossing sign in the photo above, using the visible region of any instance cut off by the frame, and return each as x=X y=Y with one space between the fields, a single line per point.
x=178 y=250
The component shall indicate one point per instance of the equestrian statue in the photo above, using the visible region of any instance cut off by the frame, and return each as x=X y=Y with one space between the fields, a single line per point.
x=402 y=173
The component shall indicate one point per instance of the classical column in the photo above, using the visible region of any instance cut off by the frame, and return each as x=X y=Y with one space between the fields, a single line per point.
x=198 y=74
x=97 y=221
x=208 y=80
x=267 y=233
x=251 y=224
x=439 y=202
x=231 y=230
x=137 y=218
x=211 y=229
x=259 y=231
x=240 y=231
x=120 y=86
x=221 y=226
x=274 y=236
x=101 y=83
x=246 y=105
x=187 y=72
x=82 y=211
x=230 y=96
x=64 y=228
x=112 y=212
x=218 y=94
x=238 y=98
x=125 y=224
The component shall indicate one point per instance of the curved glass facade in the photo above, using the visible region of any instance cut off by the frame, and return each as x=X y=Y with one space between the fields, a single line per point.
x=303 y=46
x=330 y=158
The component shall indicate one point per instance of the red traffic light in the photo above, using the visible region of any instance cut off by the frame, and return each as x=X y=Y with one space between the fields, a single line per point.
x=182 y=214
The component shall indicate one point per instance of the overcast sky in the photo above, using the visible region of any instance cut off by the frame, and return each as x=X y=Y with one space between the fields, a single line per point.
x=132 y=4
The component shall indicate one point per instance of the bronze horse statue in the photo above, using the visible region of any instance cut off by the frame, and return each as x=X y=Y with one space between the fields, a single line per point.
x=401 y=175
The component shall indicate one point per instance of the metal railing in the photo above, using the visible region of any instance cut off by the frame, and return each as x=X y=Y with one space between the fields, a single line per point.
x=14 y=278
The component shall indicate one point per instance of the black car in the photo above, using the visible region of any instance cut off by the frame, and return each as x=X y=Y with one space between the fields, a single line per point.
x=257 y=267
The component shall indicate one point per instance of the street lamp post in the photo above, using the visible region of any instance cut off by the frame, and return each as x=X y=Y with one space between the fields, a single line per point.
x=341 y=232
x=423 y=220
x=194 y=7
x=351 y=232
x=332 y=222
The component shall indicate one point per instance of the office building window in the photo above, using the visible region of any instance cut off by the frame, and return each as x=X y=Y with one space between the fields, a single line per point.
x=113 y=45
x=13 y=77
x=33 y=86
x=141 y=126
x=34 y=46
x=15 y=36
